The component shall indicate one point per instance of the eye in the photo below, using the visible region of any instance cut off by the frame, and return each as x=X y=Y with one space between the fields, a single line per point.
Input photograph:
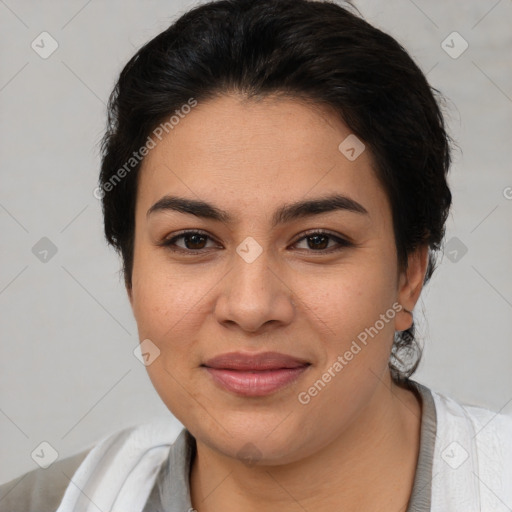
x=318 y=241
x=194 y=241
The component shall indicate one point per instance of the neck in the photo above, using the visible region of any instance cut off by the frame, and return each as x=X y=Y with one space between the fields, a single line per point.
x=370 y=466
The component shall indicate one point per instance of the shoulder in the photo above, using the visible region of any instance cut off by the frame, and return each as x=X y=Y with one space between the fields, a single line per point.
x=490 y=432
x=122 y=467
x=488 y=426
x=43 y=490
x=40 y=490
x=473 y=455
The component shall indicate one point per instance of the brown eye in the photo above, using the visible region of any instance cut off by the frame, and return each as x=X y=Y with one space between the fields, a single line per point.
x=319 y=241
x=193 y=241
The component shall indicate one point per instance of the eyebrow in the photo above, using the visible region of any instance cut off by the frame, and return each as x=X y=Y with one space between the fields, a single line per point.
x=282 y=215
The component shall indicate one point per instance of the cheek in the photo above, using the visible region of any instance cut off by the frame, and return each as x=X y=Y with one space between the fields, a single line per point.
x=164 y=306
x=166 y=310
x=351 y=296
x=162 y=293
x=171 y=304
x=357 y=308
x=355 y=311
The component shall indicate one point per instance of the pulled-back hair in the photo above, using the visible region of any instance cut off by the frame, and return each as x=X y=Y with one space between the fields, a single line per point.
x=317 y=51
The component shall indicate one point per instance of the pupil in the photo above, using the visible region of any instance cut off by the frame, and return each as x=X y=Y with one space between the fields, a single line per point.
x=316 y=240
x=195 y=241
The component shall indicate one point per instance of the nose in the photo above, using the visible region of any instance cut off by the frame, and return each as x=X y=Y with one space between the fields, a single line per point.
x=255 y=295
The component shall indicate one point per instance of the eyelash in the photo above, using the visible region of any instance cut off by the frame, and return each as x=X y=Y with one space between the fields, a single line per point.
x=342 y=243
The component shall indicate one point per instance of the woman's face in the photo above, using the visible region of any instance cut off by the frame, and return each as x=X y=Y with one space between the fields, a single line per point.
x=257 y=283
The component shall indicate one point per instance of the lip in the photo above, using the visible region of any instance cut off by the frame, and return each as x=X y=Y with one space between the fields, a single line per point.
x=255 y=374
x=255 y=362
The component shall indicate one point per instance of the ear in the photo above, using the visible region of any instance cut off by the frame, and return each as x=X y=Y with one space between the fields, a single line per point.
x=410 y=284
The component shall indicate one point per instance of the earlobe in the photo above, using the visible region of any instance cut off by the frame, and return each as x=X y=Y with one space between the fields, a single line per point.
x=410 y=286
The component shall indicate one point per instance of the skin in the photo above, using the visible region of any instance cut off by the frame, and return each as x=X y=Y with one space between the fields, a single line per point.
x=355 y=445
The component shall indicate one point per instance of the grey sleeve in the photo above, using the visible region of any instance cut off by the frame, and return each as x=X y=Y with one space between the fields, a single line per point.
x=40 y=490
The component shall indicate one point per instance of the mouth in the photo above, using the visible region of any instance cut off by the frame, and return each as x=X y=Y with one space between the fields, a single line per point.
x=255 y=374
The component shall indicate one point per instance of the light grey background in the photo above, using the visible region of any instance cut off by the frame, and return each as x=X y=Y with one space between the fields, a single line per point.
x=68 y=375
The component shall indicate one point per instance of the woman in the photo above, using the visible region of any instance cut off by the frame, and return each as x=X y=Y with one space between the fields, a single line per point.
x=274 y=178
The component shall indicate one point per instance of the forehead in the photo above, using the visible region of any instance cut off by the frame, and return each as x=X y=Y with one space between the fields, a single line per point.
x=257 y=154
